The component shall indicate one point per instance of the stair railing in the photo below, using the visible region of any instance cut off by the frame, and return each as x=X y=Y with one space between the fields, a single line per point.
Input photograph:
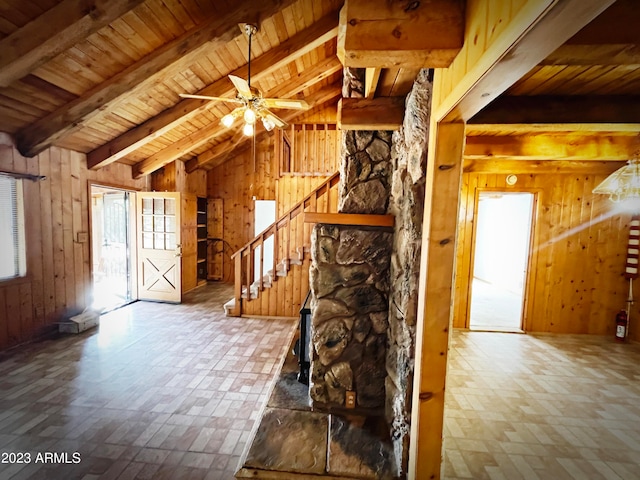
x=246 y=287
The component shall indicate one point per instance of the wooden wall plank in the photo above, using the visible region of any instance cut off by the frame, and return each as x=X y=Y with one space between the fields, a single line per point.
x=58 y=280
x=66 y=200
x=14 y=321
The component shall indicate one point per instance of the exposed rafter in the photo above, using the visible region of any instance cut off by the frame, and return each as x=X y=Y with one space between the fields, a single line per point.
x=171 y=57
x=53 y=32
x=287 y=52
x=371 y=79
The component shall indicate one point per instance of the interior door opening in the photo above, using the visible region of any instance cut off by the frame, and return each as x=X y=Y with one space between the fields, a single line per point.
x=501 y=257
x=111 y=248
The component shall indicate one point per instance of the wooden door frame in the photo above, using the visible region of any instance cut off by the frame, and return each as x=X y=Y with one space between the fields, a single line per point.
x=532 y=254
x=133 y=247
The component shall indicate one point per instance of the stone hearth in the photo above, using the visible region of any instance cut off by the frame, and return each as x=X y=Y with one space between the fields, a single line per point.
x=294 y=440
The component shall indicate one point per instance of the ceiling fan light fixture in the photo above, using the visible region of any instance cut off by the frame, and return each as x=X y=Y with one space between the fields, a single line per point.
x=268 y=124
x=227 y=120
x=248 y=129
x=250 y=116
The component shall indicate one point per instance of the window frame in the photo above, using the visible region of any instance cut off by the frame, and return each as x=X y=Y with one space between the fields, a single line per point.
x=21 y=270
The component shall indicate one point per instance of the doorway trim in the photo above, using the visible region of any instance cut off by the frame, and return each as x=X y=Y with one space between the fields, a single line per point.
x=532 y=256
x=133 y=250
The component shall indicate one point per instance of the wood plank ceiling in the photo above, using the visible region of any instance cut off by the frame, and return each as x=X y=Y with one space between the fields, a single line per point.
x=103 y=77
x=581 y=103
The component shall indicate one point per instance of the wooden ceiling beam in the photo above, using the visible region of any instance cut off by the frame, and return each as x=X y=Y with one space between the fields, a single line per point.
x=570 y=146
x=383 y=34
x=371 y=79
x=536 y=30
x=532 y=167
x=570 y=109
x=219 y=154
x=169 y=59
x=55 y=31
x=382 y=113
x=303 y=42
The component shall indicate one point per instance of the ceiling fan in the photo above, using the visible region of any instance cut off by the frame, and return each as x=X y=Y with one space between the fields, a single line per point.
x=252 y=105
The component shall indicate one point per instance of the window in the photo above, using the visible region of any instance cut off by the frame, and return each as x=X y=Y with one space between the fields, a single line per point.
x=12 y=253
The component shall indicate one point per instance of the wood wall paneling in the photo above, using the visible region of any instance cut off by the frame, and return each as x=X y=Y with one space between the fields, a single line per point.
x=58 y=280
x=576 y=282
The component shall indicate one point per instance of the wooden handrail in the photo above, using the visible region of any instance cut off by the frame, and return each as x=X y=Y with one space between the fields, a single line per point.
x=293 y=212
x=244 y=271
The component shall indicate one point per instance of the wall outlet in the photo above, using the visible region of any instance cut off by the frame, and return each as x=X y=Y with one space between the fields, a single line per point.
x=350 y=399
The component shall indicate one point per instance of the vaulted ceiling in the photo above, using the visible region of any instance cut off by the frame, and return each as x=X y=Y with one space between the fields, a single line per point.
x=103 y=77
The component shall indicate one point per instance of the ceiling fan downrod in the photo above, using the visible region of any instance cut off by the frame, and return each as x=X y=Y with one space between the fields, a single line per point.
x=250 y=29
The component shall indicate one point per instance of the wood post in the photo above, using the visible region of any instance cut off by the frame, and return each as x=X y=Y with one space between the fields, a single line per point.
x=444 y=170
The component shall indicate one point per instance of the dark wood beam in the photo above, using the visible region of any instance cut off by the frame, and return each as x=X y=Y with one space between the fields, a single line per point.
x=171 y=57
x=303 y=42
x=53 y=32
x=383 y=34
x=219 y=154
x=569 y=109
x=382 y=113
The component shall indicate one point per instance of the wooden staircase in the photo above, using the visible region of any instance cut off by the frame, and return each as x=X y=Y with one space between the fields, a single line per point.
x=278 y=289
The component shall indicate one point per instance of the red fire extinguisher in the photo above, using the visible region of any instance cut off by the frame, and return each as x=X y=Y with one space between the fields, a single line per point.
x=621 y=326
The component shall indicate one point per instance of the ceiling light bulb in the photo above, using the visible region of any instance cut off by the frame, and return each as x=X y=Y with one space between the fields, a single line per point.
x=268 y=124
x=249 y=116
x=248 y=129
x=227 y=120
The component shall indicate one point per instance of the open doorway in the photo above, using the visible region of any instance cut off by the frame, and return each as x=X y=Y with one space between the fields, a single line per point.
x=501 y=257
x=111 y=247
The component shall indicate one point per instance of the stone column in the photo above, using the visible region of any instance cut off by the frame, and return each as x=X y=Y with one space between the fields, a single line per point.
x=350 y=276
x=409 y=156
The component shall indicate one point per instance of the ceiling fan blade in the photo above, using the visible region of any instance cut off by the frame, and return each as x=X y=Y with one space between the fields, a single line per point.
x=207 y=97
x=242 y=86
x=277 y=121
x=292 y=103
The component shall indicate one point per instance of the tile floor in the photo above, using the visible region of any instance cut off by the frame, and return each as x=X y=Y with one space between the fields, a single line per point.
x=160 y=391
x=542 y=407
x=173 y=391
